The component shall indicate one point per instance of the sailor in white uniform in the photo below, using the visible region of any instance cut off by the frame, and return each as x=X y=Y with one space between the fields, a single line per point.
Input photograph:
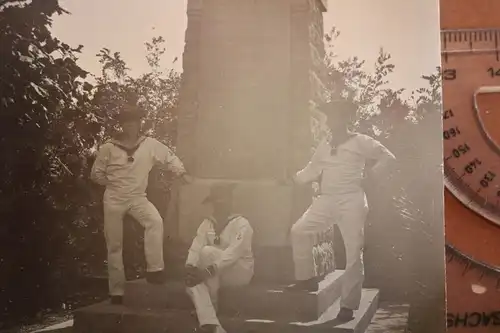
x=122 y=165
x=339 y=165
x=220 y=255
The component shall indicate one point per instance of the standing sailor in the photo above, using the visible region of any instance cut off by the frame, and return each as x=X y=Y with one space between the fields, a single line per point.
x=339 y=165
x=122 y=166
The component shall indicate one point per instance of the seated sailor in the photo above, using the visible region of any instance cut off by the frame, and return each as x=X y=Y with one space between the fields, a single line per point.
x=220 y=255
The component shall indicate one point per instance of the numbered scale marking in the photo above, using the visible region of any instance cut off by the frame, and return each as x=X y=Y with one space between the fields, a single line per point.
x=471 y=118
x=470 y=61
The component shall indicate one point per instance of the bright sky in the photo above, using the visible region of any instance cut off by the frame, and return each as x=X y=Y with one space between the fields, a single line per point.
x=410 y=33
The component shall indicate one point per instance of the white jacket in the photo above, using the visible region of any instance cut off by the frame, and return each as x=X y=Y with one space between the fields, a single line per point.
x=128 y=179
x=343 y=171
x=235 y=241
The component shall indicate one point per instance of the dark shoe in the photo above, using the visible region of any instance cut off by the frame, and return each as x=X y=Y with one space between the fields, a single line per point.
x=345 y=315
x=158 y=277
x=310 y=285
x=117 y=300
x=208 y=329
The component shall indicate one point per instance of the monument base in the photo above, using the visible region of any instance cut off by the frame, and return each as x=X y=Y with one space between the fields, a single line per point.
x=270 y=208
x=106 y=318
x=260 y=301
x=155 y=309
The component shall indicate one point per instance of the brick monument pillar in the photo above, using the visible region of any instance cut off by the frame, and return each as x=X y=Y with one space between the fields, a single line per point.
x=253 y=71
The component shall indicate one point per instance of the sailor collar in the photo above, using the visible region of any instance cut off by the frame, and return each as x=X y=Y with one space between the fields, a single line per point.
x=123 y=146
x=229 y=219
x=335 y=148
x=130 y=150
x=218 y=233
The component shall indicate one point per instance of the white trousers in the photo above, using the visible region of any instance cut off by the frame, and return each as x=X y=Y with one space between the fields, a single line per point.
x=349 y=213
x=204 y=295
x=147 y=215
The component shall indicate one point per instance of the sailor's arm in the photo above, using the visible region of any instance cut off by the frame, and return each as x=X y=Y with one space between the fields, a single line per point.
x=241 y=241
x=164 y=156
x=383 y=157
x=98 y=171
x=199 y=241
x=312 y=171
x=308 y=174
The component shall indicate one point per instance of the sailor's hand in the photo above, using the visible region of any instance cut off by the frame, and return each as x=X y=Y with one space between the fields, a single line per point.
x=190 y=282
x=368 y=182
x=193 y=276
x=191 y=270
x=365 y=180
x=208 y=272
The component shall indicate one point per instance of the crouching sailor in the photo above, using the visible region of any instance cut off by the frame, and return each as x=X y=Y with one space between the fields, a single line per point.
x=220 y=255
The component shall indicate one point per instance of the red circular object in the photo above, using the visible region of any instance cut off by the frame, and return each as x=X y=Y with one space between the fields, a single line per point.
x=472 y=161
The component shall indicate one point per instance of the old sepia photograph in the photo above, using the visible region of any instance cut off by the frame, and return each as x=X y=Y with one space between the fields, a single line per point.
x=221 y=166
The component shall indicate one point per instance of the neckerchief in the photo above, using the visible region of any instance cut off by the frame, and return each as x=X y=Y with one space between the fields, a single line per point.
x=217 y=235
x=333 y=151
x=129 y=150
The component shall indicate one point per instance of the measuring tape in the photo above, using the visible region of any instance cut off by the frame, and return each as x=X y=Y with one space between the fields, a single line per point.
x=471 y=149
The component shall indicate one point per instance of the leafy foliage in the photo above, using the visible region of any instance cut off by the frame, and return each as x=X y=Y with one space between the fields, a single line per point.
x=45 y=129
x=52 y=121
x=156 y=92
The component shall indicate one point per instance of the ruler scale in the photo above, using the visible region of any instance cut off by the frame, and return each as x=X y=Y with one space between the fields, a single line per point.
x=467 y=41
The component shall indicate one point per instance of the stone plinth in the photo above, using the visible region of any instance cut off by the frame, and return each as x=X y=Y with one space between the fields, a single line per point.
x=264 y=302
x=106 y=318
x=252 y=70
x=390 y=318
x=141 y=295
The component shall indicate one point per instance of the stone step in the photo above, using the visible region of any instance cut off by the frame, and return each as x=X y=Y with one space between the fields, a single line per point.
x=141 y=295
x=390 y=318
x=106 y=318
x=260 y=301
